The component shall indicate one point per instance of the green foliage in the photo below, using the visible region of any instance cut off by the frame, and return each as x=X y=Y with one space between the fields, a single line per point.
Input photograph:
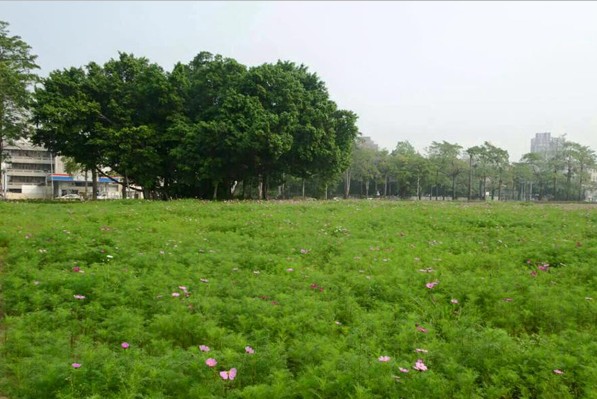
x=16 y=76
x=197 y=130
x=319 y=290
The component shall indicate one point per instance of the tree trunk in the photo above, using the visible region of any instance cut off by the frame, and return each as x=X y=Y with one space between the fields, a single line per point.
x=303 y=188
x=385 y=186
x=555 y=184
x=419 y=187
x=325 y=196
x=580 y=193
x=453 y=188
x=568 y=182
x=367 y=188
x=93 y=184
x=125 y=184
x=215 y=195
x=470 y=177
x=265 y=188
x=347 y=184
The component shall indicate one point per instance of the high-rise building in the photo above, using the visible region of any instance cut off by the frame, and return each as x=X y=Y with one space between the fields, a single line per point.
x=544 y=144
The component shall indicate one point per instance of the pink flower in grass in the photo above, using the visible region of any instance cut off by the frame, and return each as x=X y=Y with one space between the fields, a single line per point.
x=432 y=284
x=454 y=301
x=403 y=370
x=204 y=280
x=76 y=269
x=79 y=296
x=419 y=350
x=125 y=345
x=175 y=294
x=558 y=371
x=384 y=359
x=211 y=362
x=420 y=366
x=544 y=267
x=249 y=350
x=76 y=365
x=204 y=348
x=507 y=299
x=421 y=329
x=228 y=375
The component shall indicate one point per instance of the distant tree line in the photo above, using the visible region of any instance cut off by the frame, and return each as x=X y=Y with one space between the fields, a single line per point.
x=449 y=171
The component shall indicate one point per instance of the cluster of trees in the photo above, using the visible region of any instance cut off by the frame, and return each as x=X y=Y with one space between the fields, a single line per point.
x=447 y=170
x=198 y=130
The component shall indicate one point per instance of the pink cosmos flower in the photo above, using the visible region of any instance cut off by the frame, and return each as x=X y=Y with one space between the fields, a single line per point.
x=211 y=362
x=76 y=269
x=204 y=280
x=304 y=251
x=228 y=375
x=420 y=366
x=175 y=294
x=419 y=350
x=249 y=350
x=204 y=348
x=421 y=329
x=558 y=371
x=79 y=296
x=432 y=284
x=384 y=359
x=403 y=370
x=183 y=288
x=76 y=365
x=125 y=345
x=454 y=301
x=290 y=269
x=544 y=267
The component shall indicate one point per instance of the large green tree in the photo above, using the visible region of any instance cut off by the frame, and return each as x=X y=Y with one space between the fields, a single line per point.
x=17 y=66
x=68 y=118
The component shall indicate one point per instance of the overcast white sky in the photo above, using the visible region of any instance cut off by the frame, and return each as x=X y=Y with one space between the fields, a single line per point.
x=464 y=72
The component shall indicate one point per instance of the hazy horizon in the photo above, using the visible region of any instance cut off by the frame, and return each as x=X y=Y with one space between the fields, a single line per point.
x=464 y=72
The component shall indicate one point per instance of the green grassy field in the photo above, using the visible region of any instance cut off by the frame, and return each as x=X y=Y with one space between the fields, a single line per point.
x=362 y=299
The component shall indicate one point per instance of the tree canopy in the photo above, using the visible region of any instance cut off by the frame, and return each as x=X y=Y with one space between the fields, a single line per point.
x=197 y=130
x=17 y=66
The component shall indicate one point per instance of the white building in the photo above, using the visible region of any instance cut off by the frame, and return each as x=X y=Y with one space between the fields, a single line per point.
x=24 y=171
x=31 y=172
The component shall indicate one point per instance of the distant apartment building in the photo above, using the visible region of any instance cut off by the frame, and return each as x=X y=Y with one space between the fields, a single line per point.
x=31 y=172
x=544 y=144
